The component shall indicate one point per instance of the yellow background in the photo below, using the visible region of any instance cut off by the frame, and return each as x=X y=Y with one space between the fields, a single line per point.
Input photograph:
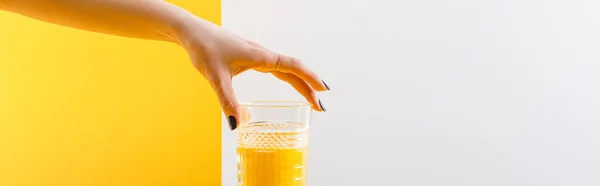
x=86 y=109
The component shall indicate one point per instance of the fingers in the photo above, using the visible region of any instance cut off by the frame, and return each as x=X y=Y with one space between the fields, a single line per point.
x=303 y=88
x=273 y=62
x=221 y=83
x=287 y=64
x=294 y=66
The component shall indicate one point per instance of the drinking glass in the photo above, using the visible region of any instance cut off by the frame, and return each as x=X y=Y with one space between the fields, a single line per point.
x=273 y=143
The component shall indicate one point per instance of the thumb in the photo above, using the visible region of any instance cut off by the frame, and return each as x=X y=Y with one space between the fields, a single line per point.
x=223 y=88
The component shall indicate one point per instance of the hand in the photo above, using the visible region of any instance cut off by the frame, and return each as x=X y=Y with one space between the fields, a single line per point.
x=217 y=54
x=220 y=55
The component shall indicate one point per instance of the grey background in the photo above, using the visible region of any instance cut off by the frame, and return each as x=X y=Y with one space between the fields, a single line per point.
x=437 y=92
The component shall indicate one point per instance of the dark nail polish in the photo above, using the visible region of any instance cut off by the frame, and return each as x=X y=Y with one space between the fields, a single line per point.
x=326 y=86
x=321 y=105
x=232 y=122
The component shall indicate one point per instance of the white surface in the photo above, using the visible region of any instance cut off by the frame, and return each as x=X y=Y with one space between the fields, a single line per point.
x=437 y=92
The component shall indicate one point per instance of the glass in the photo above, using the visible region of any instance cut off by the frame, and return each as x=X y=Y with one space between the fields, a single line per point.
x=273 y=143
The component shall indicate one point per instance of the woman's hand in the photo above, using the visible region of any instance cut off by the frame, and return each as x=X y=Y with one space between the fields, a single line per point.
x=220 y=55
x=217 y=54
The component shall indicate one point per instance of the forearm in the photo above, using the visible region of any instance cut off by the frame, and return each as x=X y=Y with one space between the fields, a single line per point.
x=145 y=19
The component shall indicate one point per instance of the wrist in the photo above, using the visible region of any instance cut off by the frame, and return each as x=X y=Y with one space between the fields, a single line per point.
x=174 y=24
x=195 y=33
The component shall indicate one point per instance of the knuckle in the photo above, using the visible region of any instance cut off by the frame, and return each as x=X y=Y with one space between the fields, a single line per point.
x=215 y=82
x=218 y=80
x=312 y=95
x=229 y=104
x=261 y=59
x=259 y=55
x=294 y=62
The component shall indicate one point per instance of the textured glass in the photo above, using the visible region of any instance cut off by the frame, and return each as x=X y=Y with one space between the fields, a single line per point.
x=273 y=144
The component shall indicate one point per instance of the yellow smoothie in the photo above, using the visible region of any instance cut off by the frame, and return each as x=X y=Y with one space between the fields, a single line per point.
x=272 y=167
x=274 y=157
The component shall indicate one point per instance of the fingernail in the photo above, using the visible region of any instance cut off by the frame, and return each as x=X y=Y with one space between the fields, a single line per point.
x=321 y=105
x=326 y=86
x=232 y=122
